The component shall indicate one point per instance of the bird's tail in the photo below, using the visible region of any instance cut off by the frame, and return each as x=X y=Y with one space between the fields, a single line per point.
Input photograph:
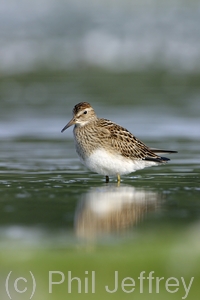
x=159 y=159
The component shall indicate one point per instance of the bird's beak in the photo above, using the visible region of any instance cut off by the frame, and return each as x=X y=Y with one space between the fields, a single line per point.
x=71 y=122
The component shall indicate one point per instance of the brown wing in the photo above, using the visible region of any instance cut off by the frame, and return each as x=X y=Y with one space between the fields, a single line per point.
x=126 y=143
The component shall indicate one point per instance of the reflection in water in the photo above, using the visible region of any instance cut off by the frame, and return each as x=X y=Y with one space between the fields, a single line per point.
x=111 y=209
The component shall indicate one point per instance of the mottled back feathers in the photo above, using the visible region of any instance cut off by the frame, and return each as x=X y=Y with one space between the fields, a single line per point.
x=104 y=133
x=125 y=142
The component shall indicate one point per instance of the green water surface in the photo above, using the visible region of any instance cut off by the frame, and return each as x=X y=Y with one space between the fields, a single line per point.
x=55 y=215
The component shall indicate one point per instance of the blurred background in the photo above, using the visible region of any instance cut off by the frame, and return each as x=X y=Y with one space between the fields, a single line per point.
x=138 y=64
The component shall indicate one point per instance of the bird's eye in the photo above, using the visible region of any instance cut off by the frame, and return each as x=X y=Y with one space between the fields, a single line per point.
x=85 y=112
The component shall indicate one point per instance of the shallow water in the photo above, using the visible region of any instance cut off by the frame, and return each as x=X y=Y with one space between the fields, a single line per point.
x=43 y=182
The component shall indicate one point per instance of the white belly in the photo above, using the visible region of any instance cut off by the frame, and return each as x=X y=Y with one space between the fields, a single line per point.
x=106 y=163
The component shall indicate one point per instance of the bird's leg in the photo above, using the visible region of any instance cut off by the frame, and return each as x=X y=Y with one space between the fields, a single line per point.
x=118 y=179
x=107 y=179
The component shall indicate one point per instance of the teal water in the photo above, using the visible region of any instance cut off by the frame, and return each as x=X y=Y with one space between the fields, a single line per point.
x=43 y=182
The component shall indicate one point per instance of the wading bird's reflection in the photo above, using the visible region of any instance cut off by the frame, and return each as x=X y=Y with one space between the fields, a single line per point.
x=110 y=209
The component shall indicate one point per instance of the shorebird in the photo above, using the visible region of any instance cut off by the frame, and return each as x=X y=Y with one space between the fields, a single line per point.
x=107 y=148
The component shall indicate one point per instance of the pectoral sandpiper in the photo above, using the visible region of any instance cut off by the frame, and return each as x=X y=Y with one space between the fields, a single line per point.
x=107 y=148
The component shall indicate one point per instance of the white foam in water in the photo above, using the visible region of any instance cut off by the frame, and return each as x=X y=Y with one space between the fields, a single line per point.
x=137 y=123
x=120 y=35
